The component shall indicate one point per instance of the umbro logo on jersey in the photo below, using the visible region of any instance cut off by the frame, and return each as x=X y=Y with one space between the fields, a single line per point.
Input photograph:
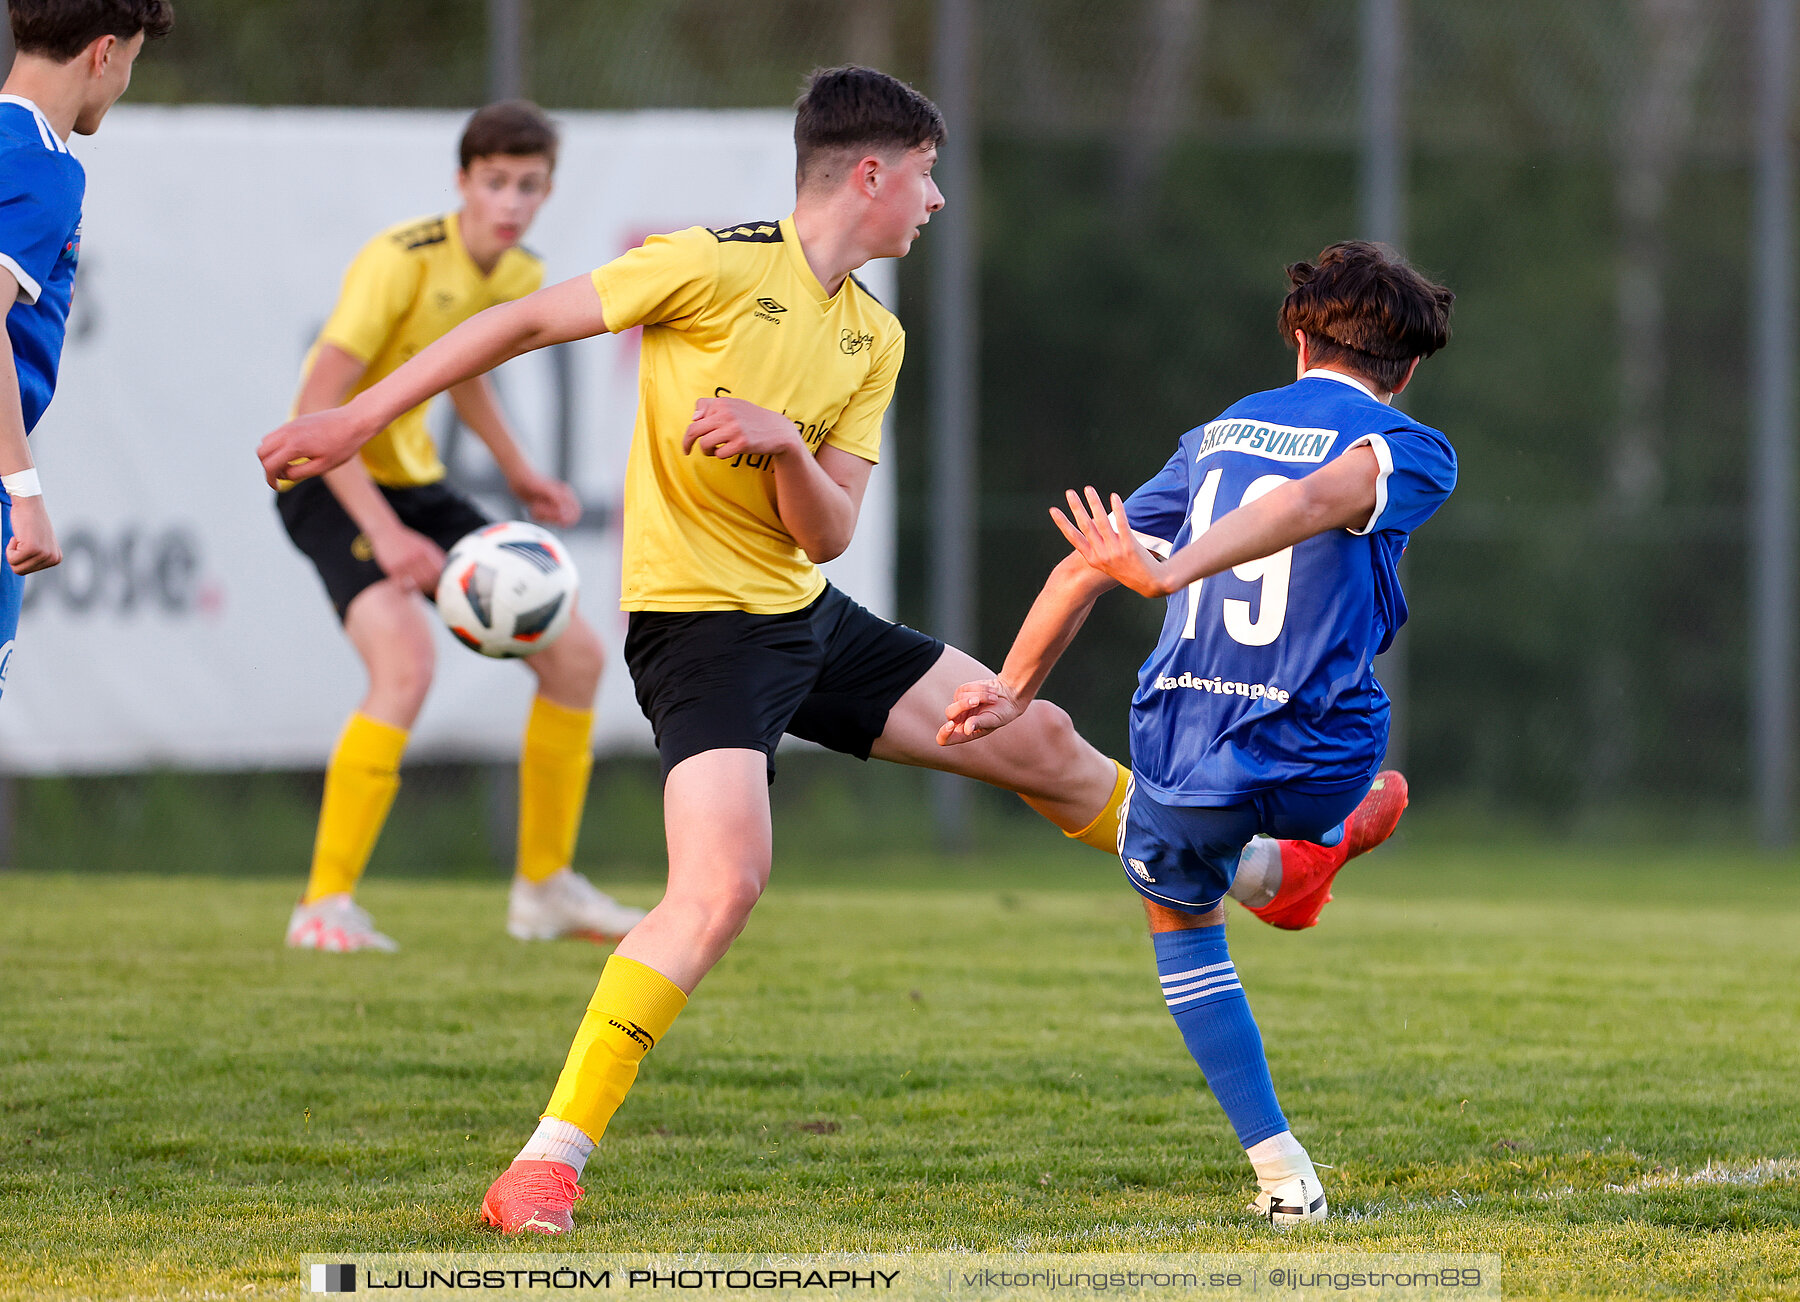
x=770 y=305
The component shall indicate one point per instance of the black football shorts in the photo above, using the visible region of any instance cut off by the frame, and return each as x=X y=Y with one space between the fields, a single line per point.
x=727 y=679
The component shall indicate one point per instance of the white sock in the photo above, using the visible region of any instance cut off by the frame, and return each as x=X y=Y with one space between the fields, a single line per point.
x=557 y=1141
x=1258 y=872
x=1278 y=1159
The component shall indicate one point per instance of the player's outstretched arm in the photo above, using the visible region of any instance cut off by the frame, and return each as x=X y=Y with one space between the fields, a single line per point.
x=404 y=555
x=312 y=444
x=1054 y=619
x=1338 y=495
x=33 y=546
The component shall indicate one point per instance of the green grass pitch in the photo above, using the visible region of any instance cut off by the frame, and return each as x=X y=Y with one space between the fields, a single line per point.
x=1590 y=1064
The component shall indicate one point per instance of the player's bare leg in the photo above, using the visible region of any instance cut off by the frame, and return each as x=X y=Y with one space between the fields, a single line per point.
x=391 y=631
x=1162 y=919
x=716 y=814
x=389 y=628
x=1040 y=755
x=716 y=819
x=568 y=670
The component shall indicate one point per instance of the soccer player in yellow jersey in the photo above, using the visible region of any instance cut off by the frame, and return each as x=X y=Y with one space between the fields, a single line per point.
x=376 y=528
x=765 y=370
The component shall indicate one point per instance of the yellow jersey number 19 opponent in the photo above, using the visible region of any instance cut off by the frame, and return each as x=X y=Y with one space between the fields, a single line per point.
x=377 y=526
x=765 y=371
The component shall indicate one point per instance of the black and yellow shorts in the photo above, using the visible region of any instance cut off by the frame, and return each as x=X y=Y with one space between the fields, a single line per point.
x=730 y=680
x=331 y=540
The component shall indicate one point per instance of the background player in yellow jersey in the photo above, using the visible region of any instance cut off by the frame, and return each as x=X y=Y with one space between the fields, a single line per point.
x=376 y=528
x=765 y=371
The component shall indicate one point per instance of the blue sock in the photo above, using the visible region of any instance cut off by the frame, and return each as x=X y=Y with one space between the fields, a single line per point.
x=1201 y=985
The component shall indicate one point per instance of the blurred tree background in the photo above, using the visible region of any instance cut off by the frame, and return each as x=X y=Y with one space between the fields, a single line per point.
x=1578 y=173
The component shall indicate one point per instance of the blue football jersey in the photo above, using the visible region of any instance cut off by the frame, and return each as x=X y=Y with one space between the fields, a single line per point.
x=41 y=187
x=1263 y=674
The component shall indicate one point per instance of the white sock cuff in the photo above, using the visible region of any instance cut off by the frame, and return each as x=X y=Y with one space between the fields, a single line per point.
x=557 y=1141
x=1280 y=1158
x=1258 y=876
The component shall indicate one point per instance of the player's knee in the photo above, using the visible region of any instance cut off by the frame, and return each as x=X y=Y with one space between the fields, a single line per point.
x=721 y=912
x=587 y=655
x=1056 y=744
x=739 y=897
x=405 y=672
x=574 y=665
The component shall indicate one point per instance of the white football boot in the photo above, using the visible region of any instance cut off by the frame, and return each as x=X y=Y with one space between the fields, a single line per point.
x=336 y=924
x=1292 y=1202
x=566 y=904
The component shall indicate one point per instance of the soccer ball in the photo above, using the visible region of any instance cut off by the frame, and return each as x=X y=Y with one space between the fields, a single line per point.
x=508 y=590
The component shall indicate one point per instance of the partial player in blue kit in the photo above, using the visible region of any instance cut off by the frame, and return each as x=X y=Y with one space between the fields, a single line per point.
x=1275 y=532
x=73 y=62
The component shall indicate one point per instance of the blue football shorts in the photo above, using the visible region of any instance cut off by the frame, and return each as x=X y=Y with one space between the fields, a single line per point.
x=1184 y=856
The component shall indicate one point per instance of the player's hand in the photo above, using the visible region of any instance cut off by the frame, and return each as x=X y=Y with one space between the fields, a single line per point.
x=409 y=558
x=1106 y=542
x=550 y=501
x=730 y=427
x=978 y=709
x=33 y=546
x=310 y=445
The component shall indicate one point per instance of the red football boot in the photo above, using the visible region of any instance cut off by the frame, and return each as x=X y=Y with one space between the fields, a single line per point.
x=532 y=1196
x=1307 y=869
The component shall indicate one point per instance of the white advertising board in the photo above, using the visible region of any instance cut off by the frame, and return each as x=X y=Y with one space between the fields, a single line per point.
x=183 y=629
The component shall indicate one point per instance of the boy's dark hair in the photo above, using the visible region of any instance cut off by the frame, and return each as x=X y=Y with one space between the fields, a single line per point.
x=62 y=29
x=1362 y=307
x=516 y=128
x=852 y=108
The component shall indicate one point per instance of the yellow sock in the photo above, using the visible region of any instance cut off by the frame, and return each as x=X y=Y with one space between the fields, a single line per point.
x=553 y=780
x=632 y=1008
x=359 y=789
x=1103 y=832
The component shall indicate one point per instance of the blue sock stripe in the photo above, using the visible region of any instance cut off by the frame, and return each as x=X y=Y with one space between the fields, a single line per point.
x=1217 y=978
x=1208 y=993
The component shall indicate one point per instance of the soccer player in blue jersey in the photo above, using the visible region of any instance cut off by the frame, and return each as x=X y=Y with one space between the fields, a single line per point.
x=73 y=61
x=1275 y=532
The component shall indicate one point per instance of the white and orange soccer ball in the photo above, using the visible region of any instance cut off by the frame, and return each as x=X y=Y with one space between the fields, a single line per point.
x=508 y=589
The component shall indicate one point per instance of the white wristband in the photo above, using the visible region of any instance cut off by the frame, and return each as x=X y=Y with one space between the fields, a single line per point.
x=22 y=483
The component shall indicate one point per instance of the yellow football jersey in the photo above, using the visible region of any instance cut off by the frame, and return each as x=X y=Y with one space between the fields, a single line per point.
x=737 y=312
x=410 y=285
